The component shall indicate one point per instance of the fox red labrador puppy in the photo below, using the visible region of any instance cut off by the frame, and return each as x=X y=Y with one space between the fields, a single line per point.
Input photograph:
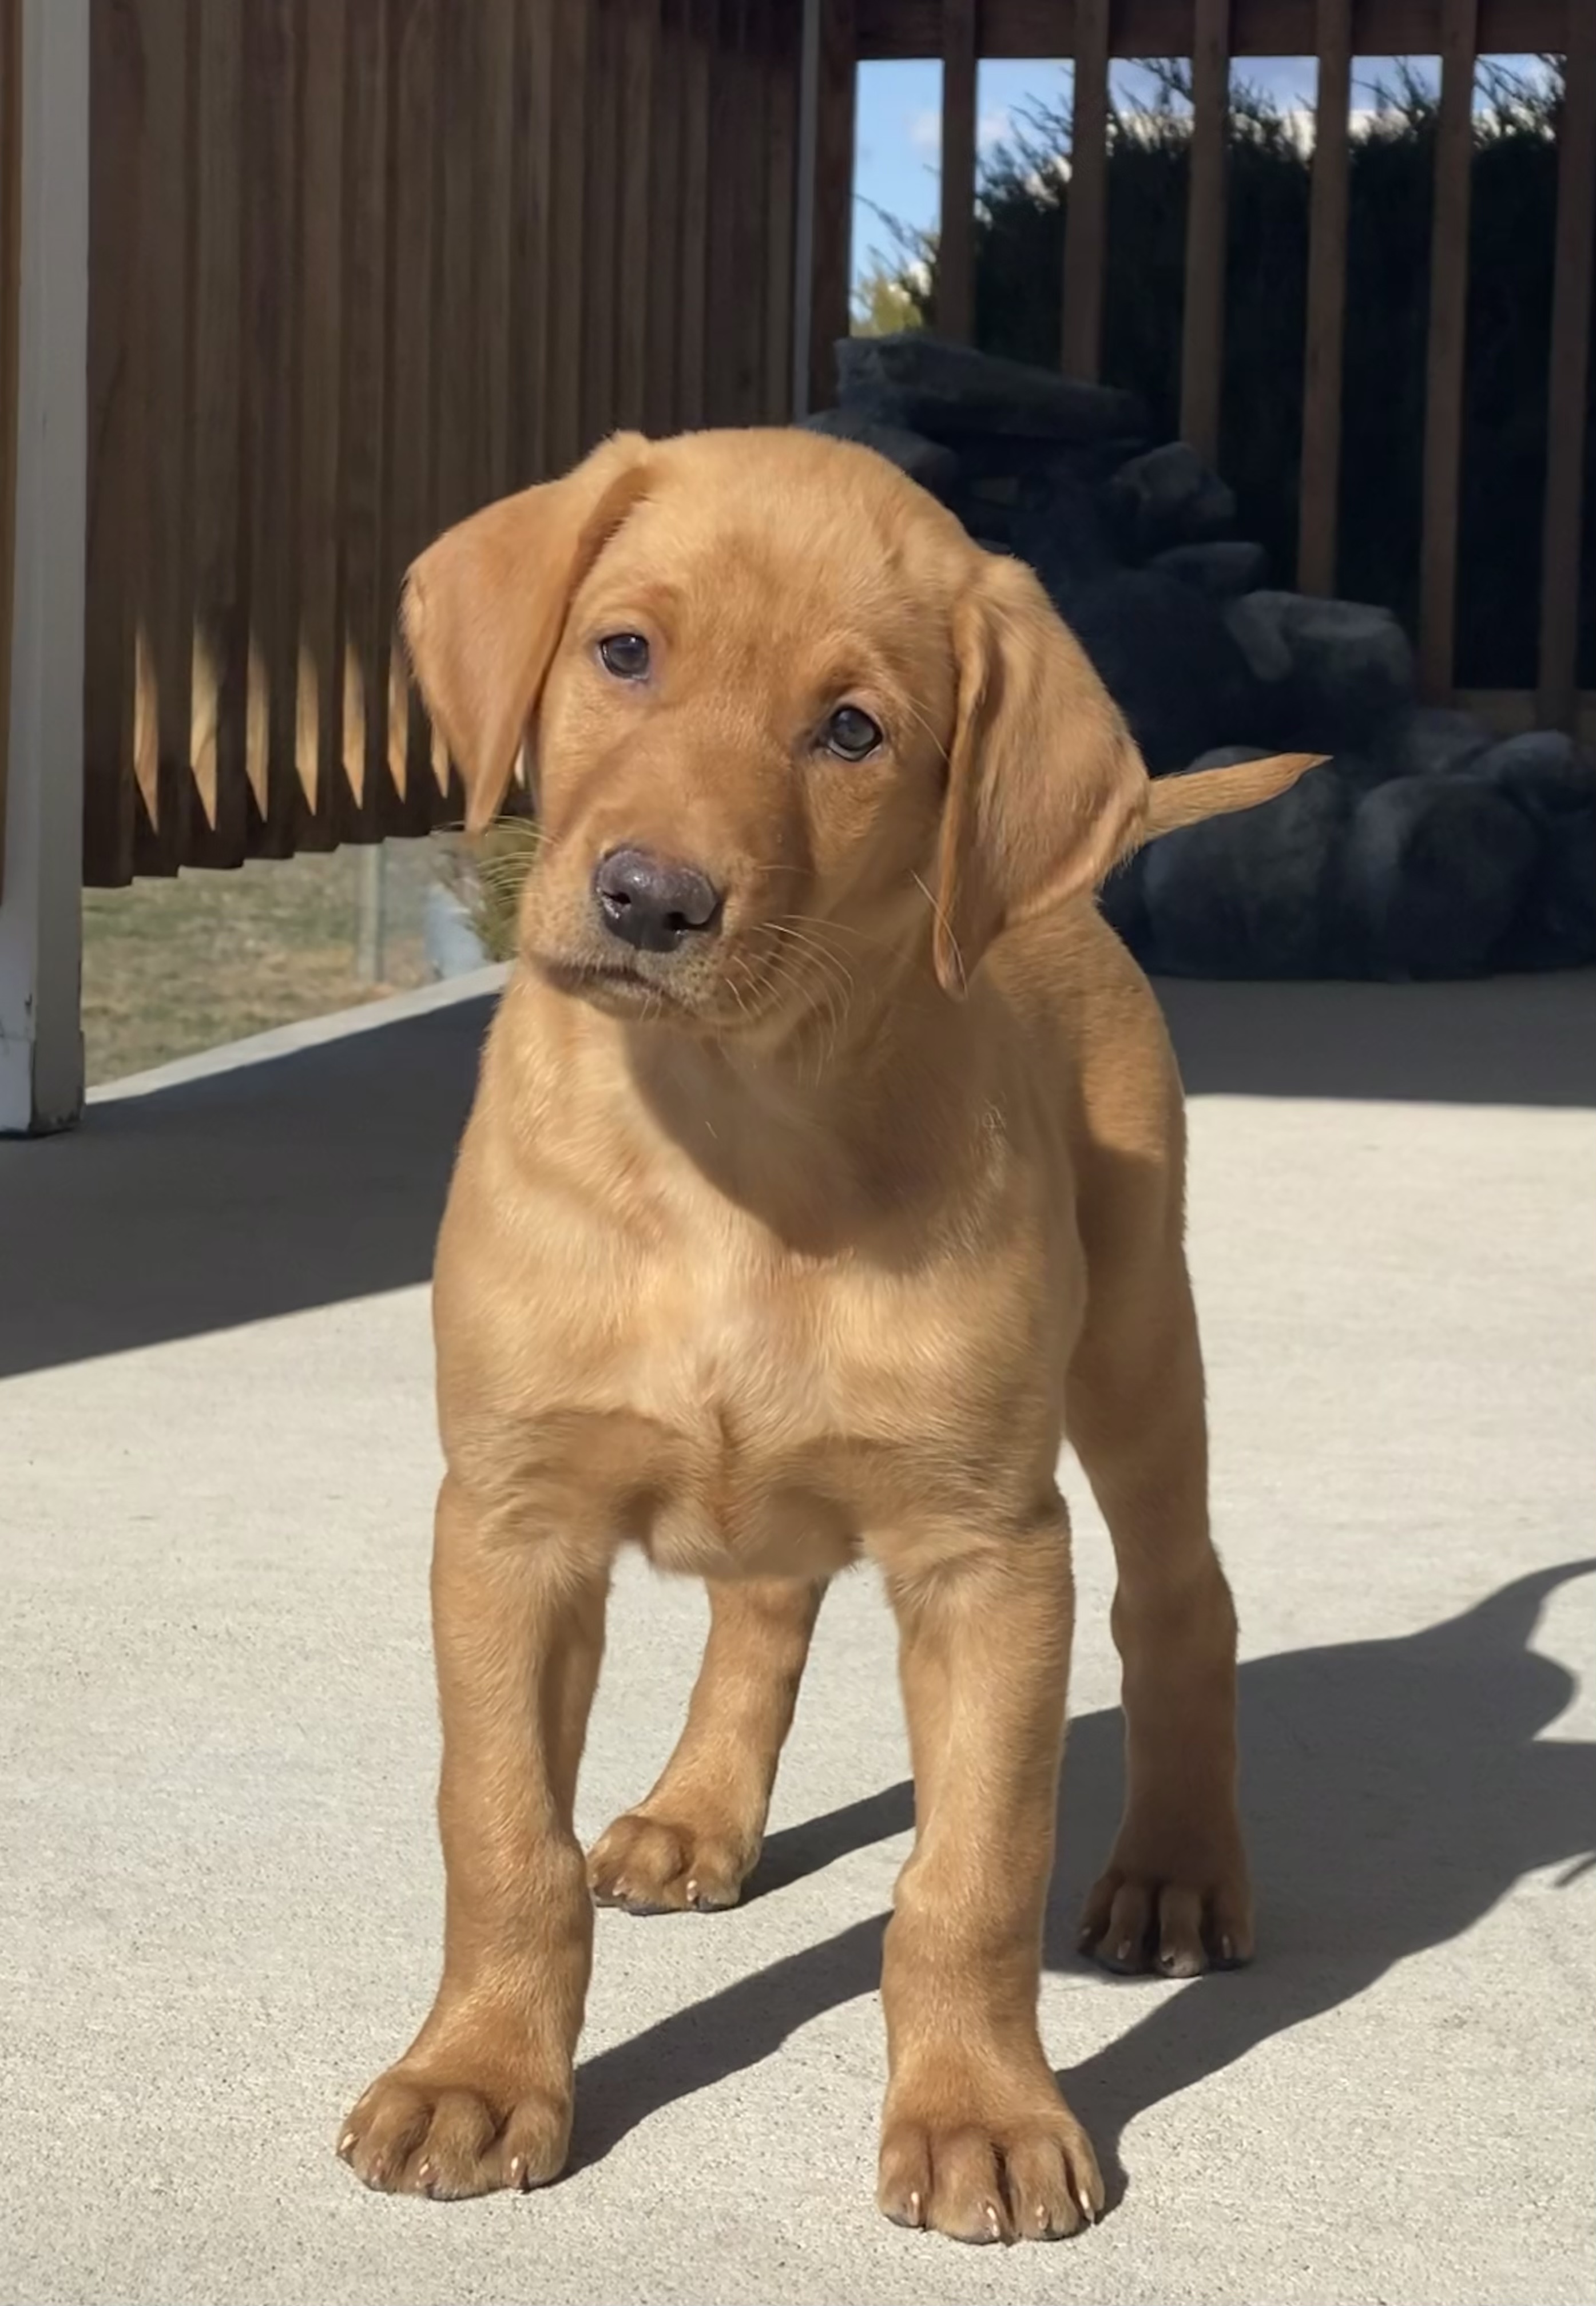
x=825 y=1173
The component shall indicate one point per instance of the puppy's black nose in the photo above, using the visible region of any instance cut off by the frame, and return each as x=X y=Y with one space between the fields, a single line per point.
x=656 y=906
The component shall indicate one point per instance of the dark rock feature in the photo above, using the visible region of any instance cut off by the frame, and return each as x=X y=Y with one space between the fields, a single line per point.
x=1252 y=895
x=947 y=392
x=1340 y=670
x=1224 y=569
x=1552 y=782
x=1165 y=655
x=934 y=467
x=1436 y=870
x=1424 y=847
x=1168 y=496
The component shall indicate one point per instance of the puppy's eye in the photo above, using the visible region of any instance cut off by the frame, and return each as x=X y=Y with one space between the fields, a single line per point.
x=625 y=655
x=850 y=734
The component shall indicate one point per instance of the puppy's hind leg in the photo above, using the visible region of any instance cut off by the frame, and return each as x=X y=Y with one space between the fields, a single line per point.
x=695 y=1838
x=1175 y=1895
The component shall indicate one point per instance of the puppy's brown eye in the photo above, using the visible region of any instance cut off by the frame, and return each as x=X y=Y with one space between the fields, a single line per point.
x=624 y=654
x=850 y=734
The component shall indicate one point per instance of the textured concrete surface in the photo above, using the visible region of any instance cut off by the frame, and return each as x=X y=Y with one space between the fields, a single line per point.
x=219 y=1883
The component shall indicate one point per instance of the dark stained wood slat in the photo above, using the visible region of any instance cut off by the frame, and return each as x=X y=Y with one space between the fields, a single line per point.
x=784 y=28
x=1444 y=354
x=722 y=320
x=747 y=163
x=460 y=444
x=692 y=371
x=149 y=856
x=218 y=822
x=568 y=225
x=891 y=29
x=1327 y=305
x=831 y=254
x=365 y=808
x=115 y=113
x=531 y=154
x=956 y=239
x=1202 y=333
x=640 y=41
x=272 y=181
x=1556 y=699
x=163 y=577
x=491 y=284
x=601 y=223
x=1086 y=212
x=412 y=353
x=429 y=791
x=271 y=141
x=661 y=402
x=318 y=732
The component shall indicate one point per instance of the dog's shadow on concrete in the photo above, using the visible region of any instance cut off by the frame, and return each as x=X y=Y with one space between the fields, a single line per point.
x=1394 y=1791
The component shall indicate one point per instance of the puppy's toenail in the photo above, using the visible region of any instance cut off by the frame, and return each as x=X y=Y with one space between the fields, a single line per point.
x=914 y=2209
x=692 y=1892
x=346 y=2141
x=993 y=2220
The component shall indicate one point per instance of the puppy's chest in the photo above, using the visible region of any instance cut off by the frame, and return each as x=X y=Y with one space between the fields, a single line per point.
x=743 y=1417
x=709 y=1352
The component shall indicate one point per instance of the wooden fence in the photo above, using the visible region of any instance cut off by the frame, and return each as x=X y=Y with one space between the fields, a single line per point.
x=1210 y=32
x=357 y=266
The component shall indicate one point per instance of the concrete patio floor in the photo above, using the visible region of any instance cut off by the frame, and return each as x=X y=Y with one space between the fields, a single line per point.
x=219 y=1893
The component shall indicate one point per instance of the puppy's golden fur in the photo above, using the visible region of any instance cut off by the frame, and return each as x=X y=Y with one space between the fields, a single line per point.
x=809 y=1238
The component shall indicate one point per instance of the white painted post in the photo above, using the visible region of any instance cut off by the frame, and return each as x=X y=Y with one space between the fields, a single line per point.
x=41 y=1039
x=370 y=935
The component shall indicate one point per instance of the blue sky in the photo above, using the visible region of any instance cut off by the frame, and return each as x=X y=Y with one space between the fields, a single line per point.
x=897 y=121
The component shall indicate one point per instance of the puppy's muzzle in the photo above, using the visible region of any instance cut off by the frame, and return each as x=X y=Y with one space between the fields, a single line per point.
x=654 y=904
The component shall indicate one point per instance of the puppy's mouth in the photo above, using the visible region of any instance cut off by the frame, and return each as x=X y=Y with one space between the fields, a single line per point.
x=618 y=985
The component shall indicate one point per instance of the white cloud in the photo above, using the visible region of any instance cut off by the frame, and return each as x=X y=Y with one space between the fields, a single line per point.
x=924 y=130
x=1302 y=123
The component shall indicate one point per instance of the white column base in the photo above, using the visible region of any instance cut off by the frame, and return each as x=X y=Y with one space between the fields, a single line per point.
x=41 y=1039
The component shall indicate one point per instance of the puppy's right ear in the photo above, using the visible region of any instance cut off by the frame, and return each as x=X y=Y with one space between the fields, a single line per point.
x=483 y=609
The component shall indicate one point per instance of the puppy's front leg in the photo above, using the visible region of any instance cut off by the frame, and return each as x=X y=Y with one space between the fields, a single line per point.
x=976 y=2139
x=482 y=2097
x=696 y=1838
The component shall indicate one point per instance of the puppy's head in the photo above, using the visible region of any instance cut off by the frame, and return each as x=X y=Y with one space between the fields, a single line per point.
x=784 y=721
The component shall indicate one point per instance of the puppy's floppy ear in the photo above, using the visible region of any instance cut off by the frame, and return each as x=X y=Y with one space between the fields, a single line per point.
x=1046 y=788
x=484 y=606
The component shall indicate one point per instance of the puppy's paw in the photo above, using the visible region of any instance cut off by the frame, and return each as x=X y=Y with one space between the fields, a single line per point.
x=668 y=1865
x=1174 y=1911
x=980 y=2166
x=415 y=2132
